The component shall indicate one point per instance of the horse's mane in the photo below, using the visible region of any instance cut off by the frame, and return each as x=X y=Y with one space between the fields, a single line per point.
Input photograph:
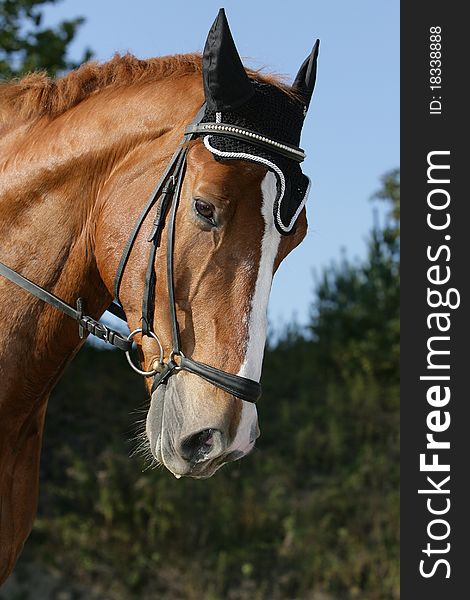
x=37 y=95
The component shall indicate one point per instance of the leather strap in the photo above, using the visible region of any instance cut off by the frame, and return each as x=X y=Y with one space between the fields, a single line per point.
x=252 y=137
x=86 y=324
x=135 y=230
x=167 y=195
x=148 y=206
x=175 y=334
x=154 y=238
x=241 y=387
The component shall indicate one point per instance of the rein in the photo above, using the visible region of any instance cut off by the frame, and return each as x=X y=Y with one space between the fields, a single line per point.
x=86 y=324
x=168 y=191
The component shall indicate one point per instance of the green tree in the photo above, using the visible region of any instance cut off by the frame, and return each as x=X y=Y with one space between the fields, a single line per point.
x=355 y=319
x=390 y=192
x=26 y=45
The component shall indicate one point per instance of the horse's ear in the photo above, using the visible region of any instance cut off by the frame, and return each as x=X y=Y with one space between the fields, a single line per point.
x=226 y=84
x=304 y=81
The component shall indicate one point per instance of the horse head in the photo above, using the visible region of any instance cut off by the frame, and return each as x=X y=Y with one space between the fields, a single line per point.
x=238 y=213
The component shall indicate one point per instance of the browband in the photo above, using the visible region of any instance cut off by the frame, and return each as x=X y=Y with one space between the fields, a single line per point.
x=233 y=131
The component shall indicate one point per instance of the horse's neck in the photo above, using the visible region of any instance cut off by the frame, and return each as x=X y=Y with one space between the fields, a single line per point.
x=47 y=201
x=46 y=206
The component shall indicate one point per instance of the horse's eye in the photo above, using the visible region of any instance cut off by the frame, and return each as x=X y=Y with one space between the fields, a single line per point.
x=205 y=210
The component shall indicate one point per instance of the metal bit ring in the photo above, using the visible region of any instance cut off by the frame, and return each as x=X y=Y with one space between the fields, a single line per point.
x=153 y=372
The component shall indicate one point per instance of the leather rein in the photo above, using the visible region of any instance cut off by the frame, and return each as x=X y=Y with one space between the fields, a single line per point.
x=168 y=190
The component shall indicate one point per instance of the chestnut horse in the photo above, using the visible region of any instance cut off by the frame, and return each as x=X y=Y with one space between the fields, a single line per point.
x=78 y=157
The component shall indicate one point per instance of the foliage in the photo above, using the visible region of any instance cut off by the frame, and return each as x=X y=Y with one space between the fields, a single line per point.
x=313 y=513
x=390 y=192
x=26 y=45
x=355 y=318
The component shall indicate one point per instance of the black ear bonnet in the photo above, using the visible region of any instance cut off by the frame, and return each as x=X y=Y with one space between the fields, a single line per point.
x=233 y=98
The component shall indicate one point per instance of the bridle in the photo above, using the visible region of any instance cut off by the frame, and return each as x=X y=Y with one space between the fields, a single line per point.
x=167 y=190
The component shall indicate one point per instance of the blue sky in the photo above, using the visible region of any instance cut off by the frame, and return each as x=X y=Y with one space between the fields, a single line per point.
x=351 y=134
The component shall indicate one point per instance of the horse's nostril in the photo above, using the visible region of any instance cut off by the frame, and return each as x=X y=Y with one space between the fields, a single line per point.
x=199 y=446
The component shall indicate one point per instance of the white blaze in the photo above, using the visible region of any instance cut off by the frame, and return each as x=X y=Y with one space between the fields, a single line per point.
x=257 y=323
x=257 y=320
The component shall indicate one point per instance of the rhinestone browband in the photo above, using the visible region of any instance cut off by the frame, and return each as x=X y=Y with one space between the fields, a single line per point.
x=252 y=137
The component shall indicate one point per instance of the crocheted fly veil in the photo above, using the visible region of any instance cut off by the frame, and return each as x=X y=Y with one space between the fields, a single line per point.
x=236 y=102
